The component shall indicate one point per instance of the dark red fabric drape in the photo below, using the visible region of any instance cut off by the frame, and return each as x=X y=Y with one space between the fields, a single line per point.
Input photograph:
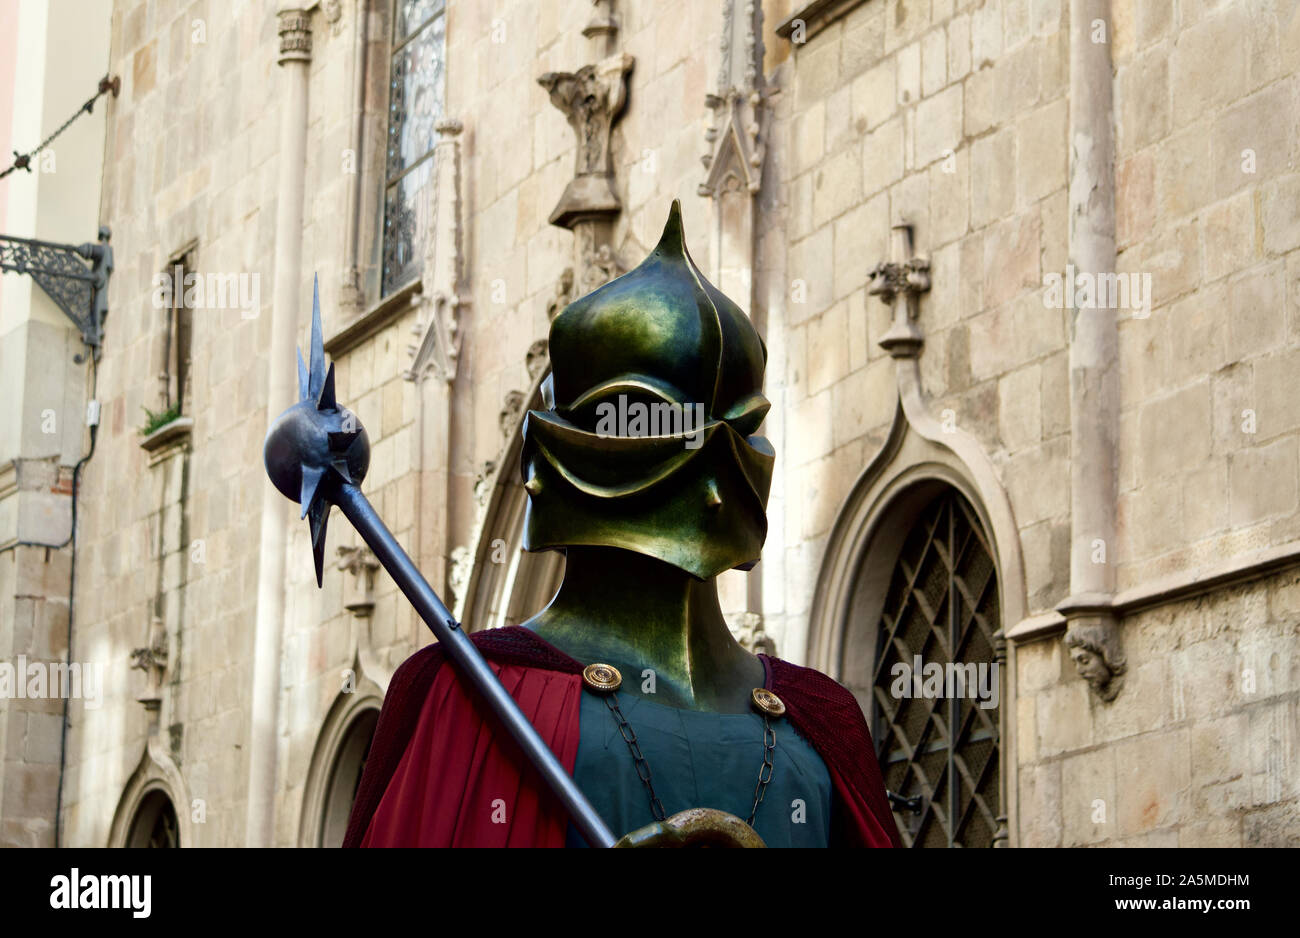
x=437 y=764
x=458 y=789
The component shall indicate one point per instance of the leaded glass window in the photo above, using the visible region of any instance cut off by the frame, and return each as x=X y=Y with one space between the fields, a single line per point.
x=415 y=101
x=942 y=751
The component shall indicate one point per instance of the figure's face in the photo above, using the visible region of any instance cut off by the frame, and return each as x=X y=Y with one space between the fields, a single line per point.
x=1089 y=665
x=648 y=441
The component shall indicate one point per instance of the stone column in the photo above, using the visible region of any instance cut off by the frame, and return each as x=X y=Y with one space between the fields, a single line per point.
x=295 y=61
x=1091 y=632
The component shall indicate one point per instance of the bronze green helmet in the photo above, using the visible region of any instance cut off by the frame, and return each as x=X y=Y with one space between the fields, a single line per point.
x=647 y=443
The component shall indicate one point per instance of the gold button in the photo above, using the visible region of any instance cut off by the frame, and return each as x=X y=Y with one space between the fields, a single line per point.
x=602 y=678
x=768 y=702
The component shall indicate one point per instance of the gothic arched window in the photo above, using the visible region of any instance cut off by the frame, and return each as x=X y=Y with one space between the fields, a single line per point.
x=936 y=632
x=345 y=777
x=154 y=824
x=416 y=82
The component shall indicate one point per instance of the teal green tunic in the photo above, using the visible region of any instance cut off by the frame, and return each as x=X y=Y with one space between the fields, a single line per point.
x=700 y=760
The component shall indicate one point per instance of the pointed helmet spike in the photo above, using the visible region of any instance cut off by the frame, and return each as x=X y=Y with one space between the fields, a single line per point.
x=673 y=239
x=316 y=376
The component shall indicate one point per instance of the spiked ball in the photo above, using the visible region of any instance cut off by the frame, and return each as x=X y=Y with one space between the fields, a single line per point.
x=316 y=444
x=305 y=443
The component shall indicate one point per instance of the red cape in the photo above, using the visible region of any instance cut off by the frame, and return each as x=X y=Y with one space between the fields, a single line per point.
x=439 y=774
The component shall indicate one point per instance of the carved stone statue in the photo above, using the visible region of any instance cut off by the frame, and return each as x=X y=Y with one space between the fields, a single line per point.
x=592 y=99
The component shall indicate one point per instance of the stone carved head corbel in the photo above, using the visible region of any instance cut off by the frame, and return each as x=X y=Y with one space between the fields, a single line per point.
x=1094 y=649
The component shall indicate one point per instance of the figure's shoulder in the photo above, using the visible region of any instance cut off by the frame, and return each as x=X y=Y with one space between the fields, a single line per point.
x=508 y=645
x=414 y=675
x=515 y=644
x=809 y=688
x=824 y=710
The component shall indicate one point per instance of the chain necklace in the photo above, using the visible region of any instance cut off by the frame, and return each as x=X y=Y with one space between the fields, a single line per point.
x=605 y=680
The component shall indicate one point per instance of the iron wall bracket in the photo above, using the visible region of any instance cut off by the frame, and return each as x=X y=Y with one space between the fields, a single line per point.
x=78 y=288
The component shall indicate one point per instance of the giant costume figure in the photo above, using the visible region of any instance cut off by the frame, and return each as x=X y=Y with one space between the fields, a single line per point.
x=644 y=469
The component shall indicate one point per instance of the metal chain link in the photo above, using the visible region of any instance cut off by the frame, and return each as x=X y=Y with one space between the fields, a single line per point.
x=24 y=160
x=643 y=767
x=764 y=770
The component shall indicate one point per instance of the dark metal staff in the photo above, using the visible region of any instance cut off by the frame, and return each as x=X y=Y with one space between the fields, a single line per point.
x=317 y=453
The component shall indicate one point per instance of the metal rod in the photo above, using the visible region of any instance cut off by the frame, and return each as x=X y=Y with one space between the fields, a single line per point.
x=469 y=661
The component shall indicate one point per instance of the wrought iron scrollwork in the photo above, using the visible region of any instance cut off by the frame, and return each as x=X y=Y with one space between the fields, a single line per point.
x=75 y=277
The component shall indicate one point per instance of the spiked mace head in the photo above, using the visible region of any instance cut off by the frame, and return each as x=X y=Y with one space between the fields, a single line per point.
x=316 y=445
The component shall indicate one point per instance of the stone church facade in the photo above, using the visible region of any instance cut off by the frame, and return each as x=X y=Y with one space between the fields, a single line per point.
x=1028 y=272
